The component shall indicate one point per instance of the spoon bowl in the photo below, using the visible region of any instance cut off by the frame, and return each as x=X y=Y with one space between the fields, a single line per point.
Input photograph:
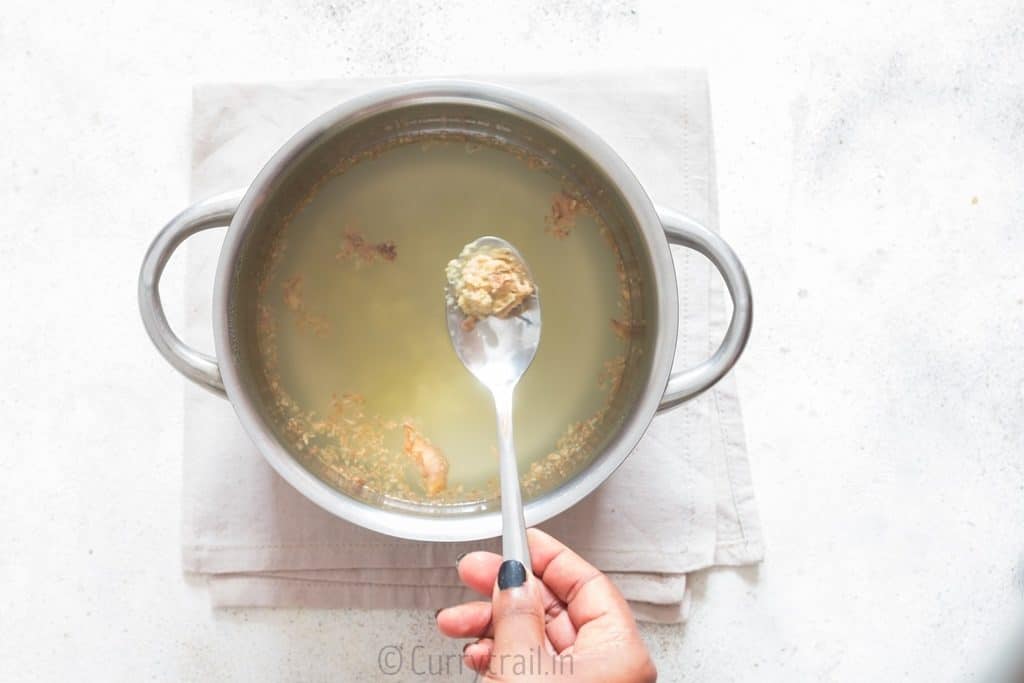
x=496 y=350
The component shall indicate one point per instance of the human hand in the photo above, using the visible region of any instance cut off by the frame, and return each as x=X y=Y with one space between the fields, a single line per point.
x=566 y=622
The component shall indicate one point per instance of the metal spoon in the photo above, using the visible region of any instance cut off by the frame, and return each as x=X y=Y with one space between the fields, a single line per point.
x=498 y=351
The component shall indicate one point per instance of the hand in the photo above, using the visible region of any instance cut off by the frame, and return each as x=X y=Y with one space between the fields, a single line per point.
x=566 y=622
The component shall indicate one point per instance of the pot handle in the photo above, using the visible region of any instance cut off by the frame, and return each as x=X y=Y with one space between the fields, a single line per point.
x=215 y=212
x=685 y=231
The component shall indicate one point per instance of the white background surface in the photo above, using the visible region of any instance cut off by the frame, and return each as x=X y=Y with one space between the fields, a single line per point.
x=870 y=175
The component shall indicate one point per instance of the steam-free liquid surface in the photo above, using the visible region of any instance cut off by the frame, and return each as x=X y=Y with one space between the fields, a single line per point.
x=354 y=320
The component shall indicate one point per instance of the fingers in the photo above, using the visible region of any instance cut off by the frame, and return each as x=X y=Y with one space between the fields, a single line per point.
x=587 y=593
x=517 y=610
x=479 y=571
x=573 y=592
x=560 y=629
x=477 y=656
x=468 y=620
x=473 y=620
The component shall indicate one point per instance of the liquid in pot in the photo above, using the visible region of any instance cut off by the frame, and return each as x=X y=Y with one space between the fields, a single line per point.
x=359 y=377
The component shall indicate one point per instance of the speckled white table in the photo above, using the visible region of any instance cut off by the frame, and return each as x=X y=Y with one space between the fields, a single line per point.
x=870 y=173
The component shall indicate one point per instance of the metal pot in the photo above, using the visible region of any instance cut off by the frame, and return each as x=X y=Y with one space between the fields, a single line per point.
x=473 y=108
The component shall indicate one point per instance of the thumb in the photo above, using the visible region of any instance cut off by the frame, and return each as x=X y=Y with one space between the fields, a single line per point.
x=517 y=611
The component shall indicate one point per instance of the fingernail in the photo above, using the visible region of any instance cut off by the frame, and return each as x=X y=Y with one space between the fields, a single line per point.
x=511 y=574
x=466 y=646
x=459 y=558
x=438 y=612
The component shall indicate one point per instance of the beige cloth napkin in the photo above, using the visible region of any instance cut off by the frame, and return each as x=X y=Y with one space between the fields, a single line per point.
x=682 y=501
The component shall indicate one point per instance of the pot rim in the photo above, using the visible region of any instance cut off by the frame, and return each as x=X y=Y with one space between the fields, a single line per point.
x=394 y=521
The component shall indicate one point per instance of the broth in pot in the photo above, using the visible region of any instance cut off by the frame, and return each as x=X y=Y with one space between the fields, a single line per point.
x=357 y=374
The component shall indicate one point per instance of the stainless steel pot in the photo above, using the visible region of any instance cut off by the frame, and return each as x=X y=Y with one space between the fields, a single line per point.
x=473 y=108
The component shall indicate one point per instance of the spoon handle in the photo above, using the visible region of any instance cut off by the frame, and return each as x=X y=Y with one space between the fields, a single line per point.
x=513 y=525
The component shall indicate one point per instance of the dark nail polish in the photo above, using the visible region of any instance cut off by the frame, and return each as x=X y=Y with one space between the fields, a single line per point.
x=511 y=574
x=459 y=558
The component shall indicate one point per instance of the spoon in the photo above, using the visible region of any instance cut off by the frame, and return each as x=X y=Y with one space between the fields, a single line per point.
x=498 y=351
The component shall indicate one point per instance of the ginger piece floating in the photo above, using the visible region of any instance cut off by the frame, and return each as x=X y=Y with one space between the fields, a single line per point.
x=624 y=329
x=432 y=464
x=355 y=247
x=304 y=320
x=489 y=282
x=562 y=218
x=292 y=288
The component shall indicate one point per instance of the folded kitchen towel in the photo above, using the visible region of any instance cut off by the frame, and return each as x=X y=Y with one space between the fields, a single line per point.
x=682 y=501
